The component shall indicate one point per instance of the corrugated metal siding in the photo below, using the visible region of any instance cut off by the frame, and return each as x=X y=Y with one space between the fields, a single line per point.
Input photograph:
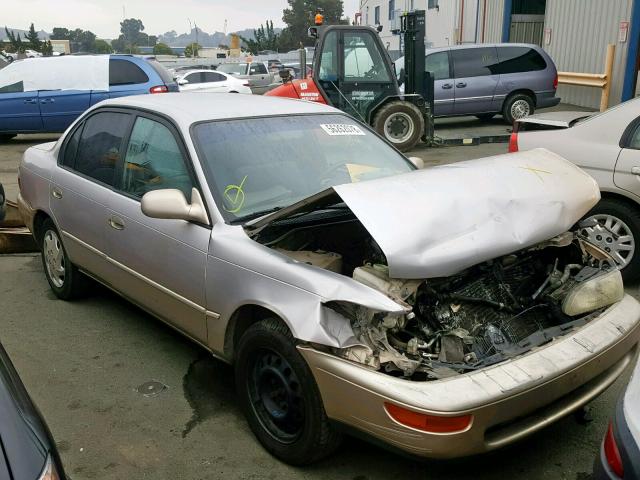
x=580 y=32
x=493 y=23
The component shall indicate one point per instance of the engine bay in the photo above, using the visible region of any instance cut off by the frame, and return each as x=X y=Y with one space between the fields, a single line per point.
x=484 y=315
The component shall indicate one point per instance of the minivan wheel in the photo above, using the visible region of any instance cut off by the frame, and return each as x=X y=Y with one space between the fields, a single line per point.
x=64 y=278
x=279 y=396
x=401 y=123
x=617 y=230
x=516 y=107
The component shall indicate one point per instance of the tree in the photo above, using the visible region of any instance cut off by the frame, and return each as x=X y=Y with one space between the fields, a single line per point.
x=80 y=40
x=47 y=48
x=263 y=39
x=299 y=17
x=101 y=46
x=191 y=50
x=162 y=49
x=31 y=37
x=131 y=29
x=15 y=42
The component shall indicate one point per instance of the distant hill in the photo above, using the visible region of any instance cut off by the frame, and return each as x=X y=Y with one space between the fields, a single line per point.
x=205 y=39
x=41 y=33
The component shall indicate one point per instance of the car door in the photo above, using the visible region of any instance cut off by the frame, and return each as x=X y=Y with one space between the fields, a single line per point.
x=215 y=82
x=160 y=263
x=439 y=66
x=194 y=81
x=259 y=76
x=59 y=108
x=475 y=79
x=126 y=78
x=82 y=183
x=19 y=110
x=627 y=169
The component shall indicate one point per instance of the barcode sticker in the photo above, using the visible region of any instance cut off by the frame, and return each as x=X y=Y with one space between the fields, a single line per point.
x=341 y=129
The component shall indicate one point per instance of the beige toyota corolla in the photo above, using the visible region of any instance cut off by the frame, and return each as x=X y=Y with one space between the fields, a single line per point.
x=445 y=312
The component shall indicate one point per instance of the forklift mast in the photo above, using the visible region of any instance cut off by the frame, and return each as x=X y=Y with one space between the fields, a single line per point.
x=412 y=28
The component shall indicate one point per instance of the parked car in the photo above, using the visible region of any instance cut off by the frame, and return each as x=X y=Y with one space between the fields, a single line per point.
x=607 y=146
x=259 y=78
x=620 y=451
x=294 y=244
x=48 y=94
x=511 y=79
x=211 y=81
x=8 y=57
x=28 y=451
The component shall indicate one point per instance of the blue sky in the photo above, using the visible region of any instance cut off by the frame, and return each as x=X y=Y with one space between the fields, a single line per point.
x=103 y=16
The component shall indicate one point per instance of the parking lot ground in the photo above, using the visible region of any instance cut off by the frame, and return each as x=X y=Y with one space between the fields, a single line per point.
x=456 y=128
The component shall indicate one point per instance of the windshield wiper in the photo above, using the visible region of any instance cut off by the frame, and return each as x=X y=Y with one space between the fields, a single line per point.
x=251 y=216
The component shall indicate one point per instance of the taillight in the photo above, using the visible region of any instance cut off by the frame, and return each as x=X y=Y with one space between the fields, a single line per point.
x=612 y=454
x=555 y=82
x=513 y=142
x=159 y=89
x=428 y=423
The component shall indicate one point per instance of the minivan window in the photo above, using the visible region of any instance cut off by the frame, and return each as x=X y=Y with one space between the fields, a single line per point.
x=519 y=59
x=162 y=72
x=17 y=87
x=438 y=65
x=100 y=146
x=124 y=72
x=474 y=62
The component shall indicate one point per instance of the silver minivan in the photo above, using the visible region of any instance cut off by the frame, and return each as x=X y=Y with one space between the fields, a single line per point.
x=511 y=79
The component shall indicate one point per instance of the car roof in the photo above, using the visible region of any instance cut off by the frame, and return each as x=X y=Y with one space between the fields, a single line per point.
x=481 y=45
x=188 y=108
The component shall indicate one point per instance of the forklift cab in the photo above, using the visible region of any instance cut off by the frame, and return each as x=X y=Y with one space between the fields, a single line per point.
x=354 y=71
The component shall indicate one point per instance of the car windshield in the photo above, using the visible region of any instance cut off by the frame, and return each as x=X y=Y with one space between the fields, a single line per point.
x=258 y=165
x=233 y=68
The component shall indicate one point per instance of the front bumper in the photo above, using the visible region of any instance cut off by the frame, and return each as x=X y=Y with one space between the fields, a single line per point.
x=508 y=401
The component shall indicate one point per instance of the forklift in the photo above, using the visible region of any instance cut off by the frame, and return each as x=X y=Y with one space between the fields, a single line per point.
x=352 y=71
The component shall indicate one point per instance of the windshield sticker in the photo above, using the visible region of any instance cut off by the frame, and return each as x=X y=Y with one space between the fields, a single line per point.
x=341 y=129
x=234 y=196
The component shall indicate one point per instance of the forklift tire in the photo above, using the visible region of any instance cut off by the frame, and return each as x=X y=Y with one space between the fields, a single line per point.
x=400 y=123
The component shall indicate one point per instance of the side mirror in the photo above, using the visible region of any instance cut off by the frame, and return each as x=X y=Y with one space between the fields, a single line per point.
x=417 y=162
x=183 y=81
x=170 y=203
x=285 y=75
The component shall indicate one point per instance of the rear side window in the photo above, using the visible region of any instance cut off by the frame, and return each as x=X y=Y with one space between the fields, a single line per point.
x=438 y=65
x=257 y=69
x=519 y=59
x=124 y=72
x=474 y=62
x=162 y=72
x=100 y=147
x=17 y=87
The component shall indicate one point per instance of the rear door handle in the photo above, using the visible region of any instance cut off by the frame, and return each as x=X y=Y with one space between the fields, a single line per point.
x=47 y=100
x=635 y=170
x=115 y=222
x=461 y=84
x=447 y=86
x=31 y=100
x=56 y=192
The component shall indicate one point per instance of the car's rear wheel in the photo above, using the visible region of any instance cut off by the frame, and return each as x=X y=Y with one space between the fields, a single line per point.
x=64 y=278
x=517 y=106
x=401 y=123
x=617 y=231
x=279 y=396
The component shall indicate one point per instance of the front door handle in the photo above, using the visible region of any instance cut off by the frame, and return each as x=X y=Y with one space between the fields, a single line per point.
x=447 y=86
x=56 y=193
x=31 y=100
x=635 y=170
x=461 y=84
x=115 y=222
x=47 y=100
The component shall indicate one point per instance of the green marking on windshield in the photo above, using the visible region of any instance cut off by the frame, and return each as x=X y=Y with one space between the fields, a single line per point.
x=234 y=195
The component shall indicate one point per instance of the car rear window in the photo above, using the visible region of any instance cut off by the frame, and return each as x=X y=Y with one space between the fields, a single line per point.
x=519 y=59
x=474 y=62
x=161 y=71
x=124 y=72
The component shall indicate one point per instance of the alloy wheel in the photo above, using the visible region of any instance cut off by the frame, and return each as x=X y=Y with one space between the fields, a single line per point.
x=520 y=109
x=54 y=258
x=613 y=236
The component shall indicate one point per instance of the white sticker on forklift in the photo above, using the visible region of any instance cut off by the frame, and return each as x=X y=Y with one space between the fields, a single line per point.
x=341 y=129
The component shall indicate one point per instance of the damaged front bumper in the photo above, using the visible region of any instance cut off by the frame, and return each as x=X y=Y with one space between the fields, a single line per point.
x=508 y=401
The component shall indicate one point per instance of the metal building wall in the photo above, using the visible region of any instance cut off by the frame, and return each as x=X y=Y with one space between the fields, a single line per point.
x=580 y=32
x=493 y=22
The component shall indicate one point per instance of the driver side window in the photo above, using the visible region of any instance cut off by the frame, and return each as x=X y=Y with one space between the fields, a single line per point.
x=154 y=161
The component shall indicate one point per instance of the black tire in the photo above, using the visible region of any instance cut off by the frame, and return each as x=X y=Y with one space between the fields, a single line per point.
x=511 y=104
x=401 y=123
x=293 y=425
x=629 y=214
x=73 y=283
x=5 y=137
x=483 y=117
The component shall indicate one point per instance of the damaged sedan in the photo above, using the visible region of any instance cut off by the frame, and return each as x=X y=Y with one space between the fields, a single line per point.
x=445 y=312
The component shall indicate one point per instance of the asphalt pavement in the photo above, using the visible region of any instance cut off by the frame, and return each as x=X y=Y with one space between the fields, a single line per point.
x=88 y=363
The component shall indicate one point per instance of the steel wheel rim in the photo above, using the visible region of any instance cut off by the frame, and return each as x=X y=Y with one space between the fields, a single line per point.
x=276 y=396
x=520 y=109
x=398 y=127
x=613 y=236
x=54 y=258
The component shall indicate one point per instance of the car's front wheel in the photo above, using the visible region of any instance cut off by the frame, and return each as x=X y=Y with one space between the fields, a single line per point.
x=64 y=278
x=616 y=231
x=279 y=396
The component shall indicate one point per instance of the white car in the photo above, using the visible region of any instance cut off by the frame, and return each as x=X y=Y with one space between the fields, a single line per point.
x=211 y=81
x=607 y=147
